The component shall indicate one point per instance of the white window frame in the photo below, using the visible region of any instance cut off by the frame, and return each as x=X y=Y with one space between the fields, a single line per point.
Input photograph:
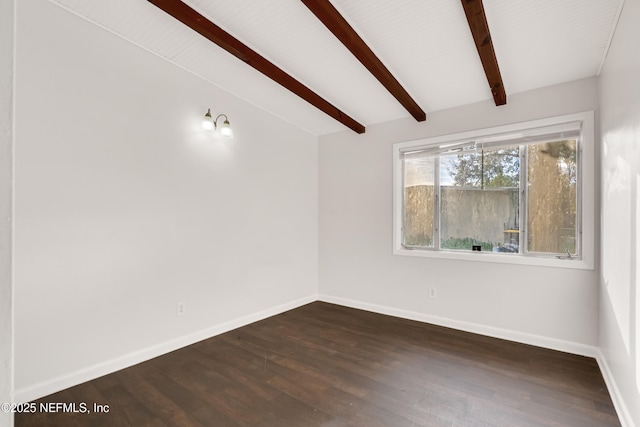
x=586 y=198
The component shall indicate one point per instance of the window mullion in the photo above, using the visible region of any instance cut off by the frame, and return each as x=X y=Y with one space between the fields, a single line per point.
x=436 y=206
x=579 y=195
x=524 y=197
x=403 y=215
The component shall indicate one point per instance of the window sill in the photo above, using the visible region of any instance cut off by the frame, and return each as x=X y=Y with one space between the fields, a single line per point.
x=577 y=264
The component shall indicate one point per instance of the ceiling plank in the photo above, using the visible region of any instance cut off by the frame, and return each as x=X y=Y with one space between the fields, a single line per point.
x=331 y=18
x=480 y=30
x=211 y=31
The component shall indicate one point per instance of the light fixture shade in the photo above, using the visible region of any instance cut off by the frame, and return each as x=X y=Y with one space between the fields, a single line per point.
x=225 y=129
x=207 y=121
x=209 y=124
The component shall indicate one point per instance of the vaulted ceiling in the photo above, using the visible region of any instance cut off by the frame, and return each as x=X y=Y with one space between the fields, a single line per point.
x=426 y=46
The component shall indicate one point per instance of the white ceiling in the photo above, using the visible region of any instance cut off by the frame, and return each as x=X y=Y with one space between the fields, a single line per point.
x=426 y=44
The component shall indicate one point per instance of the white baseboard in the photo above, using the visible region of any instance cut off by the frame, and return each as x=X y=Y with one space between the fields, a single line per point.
x=62 y=382
x=614 y=392
x=506 y=334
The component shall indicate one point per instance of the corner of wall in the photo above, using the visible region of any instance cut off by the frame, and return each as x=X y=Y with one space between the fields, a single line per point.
x=7 y=102
x=619 y=281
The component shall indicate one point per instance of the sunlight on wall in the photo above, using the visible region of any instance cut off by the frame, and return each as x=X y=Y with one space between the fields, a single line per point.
x=616 y=235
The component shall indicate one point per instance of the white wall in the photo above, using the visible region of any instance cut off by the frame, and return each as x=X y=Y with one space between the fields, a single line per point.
x=554 y=307
x=124 y=208
x=6 y=190
x=619 y=87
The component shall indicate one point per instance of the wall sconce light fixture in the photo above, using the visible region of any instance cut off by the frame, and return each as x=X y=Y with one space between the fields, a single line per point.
x=212 y=125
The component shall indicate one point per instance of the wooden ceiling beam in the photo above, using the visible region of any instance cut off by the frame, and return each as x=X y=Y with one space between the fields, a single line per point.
x=217 y=35
x=331 y=18
x=477 y=19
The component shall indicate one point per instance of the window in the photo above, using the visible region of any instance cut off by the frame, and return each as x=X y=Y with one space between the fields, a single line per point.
x=514 y=194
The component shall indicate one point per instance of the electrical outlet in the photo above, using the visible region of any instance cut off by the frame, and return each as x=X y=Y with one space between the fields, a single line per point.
x=181 y=308
x=432 y=293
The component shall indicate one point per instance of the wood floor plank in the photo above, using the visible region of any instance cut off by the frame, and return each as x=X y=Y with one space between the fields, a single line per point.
x=327 y=365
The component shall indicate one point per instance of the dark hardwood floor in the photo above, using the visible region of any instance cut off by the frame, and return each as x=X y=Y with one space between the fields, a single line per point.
x=326 y=365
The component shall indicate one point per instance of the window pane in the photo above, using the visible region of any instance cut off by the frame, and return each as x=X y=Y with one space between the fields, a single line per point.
x=480 y=200
x=551 y=212
x=419 y=174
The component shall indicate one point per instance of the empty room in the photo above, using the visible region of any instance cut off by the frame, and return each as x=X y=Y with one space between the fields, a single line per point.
x=319 y=213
